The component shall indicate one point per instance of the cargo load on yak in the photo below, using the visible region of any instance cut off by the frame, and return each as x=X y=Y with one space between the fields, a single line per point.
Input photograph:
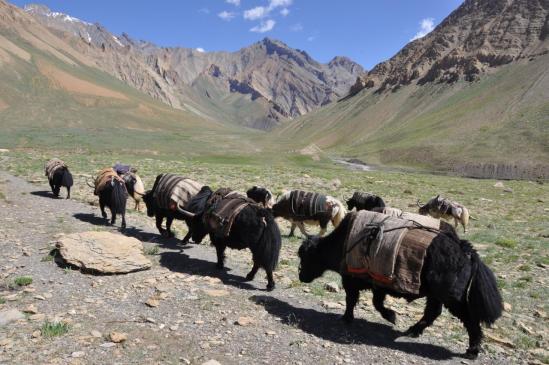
x=53 y=165
x=307 y=204
x=423 y=220
x=222 y=209
x=103 y=177
x=389 y=250
x=171 y=191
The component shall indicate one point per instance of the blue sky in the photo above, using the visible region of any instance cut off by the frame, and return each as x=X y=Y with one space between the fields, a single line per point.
x=367 y=31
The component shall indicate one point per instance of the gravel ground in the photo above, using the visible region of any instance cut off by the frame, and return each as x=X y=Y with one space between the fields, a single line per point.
x=202 y=314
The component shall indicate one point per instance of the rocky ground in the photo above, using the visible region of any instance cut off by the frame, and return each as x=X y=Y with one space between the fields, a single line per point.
x=183 y=310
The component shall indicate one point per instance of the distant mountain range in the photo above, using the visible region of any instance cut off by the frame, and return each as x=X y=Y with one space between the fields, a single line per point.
x=257 y=86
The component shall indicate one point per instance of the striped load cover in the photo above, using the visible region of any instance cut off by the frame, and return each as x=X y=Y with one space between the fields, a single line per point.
x=422 y=220
x=306 y=204
x=53 y=165
x=392 y=256
x=103 y=178
x=222 y=214
x=172 y=190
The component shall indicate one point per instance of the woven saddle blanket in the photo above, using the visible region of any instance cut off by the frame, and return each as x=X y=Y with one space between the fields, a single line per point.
x=172 y=190
x=421 y=220
x=389 y=250
x=53 y=165
x=307 y=204
x=103 y=178
x=223 y=208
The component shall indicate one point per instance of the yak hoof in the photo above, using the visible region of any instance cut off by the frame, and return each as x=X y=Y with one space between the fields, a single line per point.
x=412 y=332
x=165 y=234
x=219 y=266
x=471 y=353
x=270 y=286
x=171 y=234
x=104 y=215
x=250 y=277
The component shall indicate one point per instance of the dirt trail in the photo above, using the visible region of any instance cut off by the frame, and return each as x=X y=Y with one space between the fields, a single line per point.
x=195 y=320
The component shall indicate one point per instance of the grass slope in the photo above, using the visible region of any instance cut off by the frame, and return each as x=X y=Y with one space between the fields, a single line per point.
x=503 y=118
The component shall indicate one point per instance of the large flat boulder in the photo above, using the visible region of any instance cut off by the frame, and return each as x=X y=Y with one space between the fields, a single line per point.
x=103 y=252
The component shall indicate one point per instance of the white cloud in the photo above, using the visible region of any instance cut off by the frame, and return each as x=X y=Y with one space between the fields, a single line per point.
x=260 y=12
x=226 y=15
x=426 y=26
x=264 y=26
x=296 y=27
x=311 y=38
x=233 y=2
x=256 y=13
x=200 y=49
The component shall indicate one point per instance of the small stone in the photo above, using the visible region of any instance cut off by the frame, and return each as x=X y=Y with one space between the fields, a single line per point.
x=118 y=337
x=150 y=320
x=306 y=289
x=174 y=327
x=407 y=191
x=330 y=305
x=216 y=292
x=78 y=354
x=336 y=183
x=31 y=309
x=198 y=321
x=331 y=287
x=211 y=362
x=10 y=315
x=540 y=314
x=39 y=297
x=501 y=341
x=244 y=321
x=96 y=334
x=508 y=190
x=5 y=342
x=37 y=317
x=36 y=334
x=507 y=307
x=107 y=344
x=152 y=302
x=270 y=333
x=499 y=184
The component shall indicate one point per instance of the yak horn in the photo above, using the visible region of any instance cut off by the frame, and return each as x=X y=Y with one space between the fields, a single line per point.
x=186 y=213
x=88 y=183
x=418 y=203
x=138 y=193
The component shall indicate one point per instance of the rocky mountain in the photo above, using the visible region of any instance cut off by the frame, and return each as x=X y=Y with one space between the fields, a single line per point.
x=472 y=97
x=477 y=38
x=256 y=86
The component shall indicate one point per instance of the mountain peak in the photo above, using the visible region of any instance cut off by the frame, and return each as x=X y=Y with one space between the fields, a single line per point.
x=44 y=11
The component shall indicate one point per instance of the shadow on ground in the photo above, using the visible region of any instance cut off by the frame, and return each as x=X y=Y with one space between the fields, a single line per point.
x=330 y=327
x=181 y=262
x=46 y=194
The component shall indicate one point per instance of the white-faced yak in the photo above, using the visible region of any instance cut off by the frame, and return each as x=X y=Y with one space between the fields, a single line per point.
x=112 y=193
x=234 y=221
x=134 y=184
x=365 y=201
x=58 y=175
x=447 y=270
x=261 y=195
x=300 y=207
x=443 y=208
x=168 y=193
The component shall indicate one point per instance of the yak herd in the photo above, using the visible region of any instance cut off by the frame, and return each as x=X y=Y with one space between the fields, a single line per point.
x=417 y=255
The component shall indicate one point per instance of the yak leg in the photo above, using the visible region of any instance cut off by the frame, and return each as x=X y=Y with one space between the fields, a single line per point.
x=169 y=221
x=270 y=280
x=352 y=294
x=302 y=228
x=475 y=336
x=102 y=207
x=377 y=300
x=123 y=226
x=251 y=274
x=113 y=217
x=51 y=185
x=220 y=250
x=68 y=193
x=292 y=229
x=188 y=235
x=430 y=314
x=137 y=205
x=159 y=219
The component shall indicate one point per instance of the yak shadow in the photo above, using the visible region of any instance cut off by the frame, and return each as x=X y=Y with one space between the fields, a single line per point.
x=330 y=327
x=181 y=262
x=45 y=194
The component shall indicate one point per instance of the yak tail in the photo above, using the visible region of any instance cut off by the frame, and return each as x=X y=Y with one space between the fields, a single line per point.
x=67 y=179
x=340 y=214
x=465 y=217
x=484 y=299
x=270 y=242
x=118 y=198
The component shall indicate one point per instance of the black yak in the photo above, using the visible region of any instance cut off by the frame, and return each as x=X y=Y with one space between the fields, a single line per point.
x=134 y=184
x=58 y=175
x=261 y=195
x=452 y=275
x=112 y=193
x=233 y=221
x=367 y=201
x=168 y=193
x=300 y=207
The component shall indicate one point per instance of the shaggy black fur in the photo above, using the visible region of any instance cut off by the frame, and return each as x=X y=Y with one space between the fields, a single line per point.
x=365 y=201
x=254 y=228
x=114 y=196
x=453 y=275
x=259 y=195
x=153 y=210
x=61 y=177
